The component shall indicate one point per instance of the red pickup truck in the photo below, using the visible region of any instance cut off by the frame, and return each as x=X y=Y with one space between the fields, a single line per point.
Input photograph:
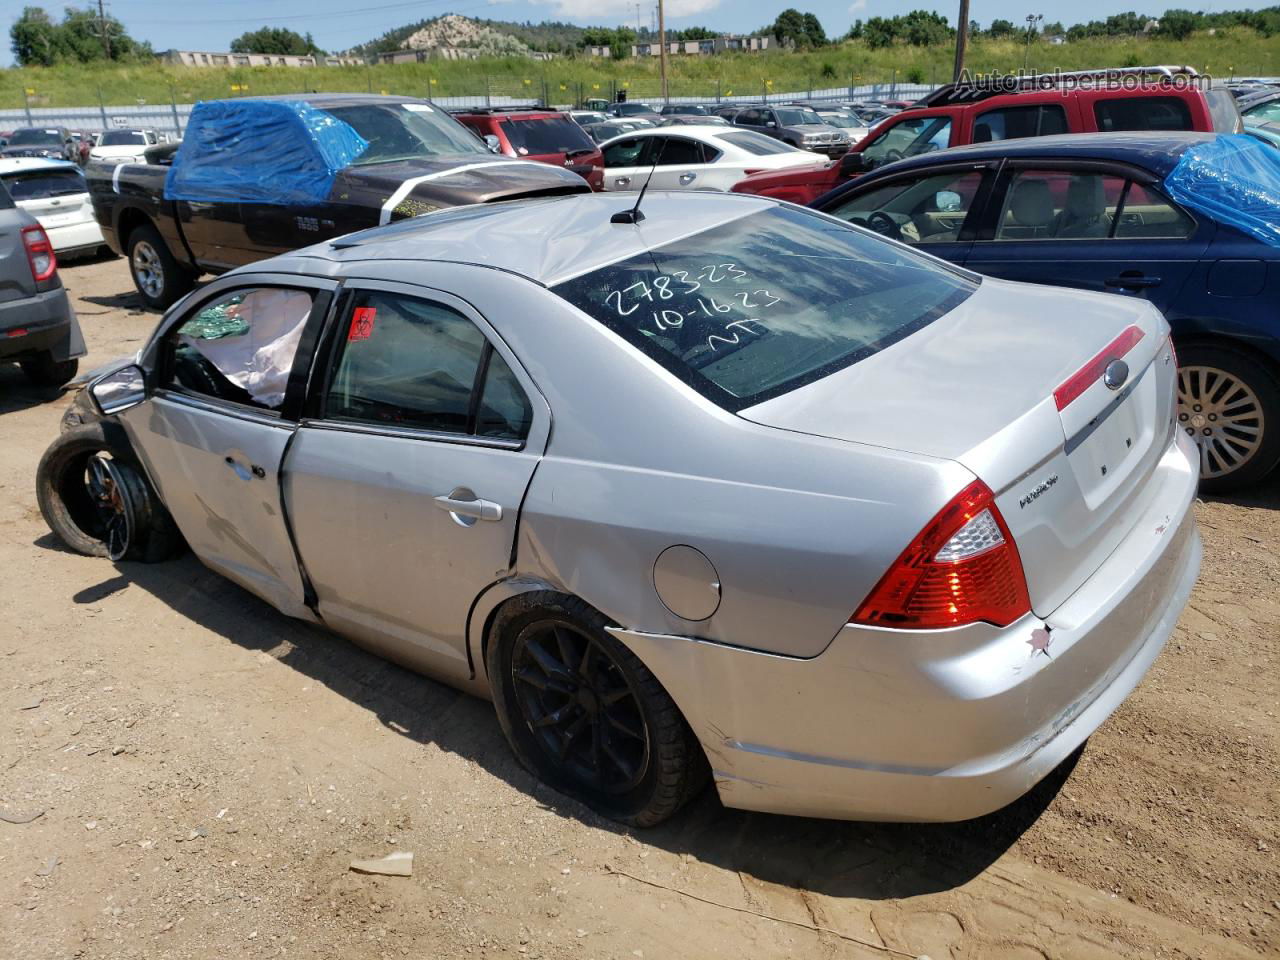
x=1139 y=98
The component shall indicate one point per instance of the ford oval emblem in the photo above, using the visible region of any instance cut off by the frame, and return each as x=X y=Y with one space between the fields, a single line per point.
x=1116 y=374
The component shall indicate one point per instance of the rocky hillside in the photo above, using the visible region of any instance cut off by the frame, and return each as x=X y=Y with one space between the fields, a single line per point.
x=463 y=33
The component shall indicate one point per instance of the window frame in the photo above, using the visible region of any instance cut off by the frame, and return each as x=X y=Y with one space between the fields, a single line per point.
x=157 y=355
x=328 y=355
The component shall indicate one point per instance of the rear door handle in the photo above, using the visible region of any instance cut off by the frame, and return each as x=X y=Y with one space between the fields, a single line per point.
x=687 y=178
x=621 y=181
x=473 y=509
x=1132 y=282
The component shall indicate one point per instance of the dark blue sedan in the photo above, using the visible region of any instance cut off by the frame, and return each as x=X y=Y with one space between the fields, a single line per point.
x=1120 y=213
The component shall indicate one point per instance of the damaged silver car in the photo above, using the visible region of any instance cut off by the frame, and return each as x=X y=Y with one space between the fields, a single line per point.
x=724 y=489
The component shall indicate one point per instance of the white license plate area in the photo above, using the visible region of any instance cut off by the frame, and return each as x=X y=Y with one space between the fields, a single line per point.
x=1109 y=450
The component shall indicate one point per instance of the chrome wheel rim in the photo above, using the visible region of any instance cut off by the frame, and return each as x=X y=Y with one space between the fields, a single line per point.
x=579 y=707
x=1223 y=414
x=147 y=269
x=110 y=503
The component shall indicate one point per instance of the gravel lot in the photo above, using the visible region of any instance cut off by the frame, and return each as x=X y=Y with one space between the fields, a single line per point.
x=207 y=769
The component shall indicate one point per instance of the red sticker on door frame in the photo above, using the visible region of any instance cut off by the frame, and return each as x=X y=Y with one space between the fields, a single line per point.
x=361 y=323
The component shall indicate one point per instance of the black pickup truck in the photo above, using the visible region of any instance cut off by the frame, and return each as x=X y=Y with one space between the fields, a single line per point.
x=260 y=176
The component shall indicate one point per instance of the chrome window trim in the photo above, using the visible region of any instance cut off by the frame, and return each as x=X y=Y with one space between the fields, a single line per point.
x=413 y=433
x=226 y=407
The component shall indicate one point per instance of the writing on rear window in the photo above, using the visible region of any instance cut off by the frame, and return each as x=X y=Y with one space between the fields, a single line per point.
x=766 y=303
x=701 y=294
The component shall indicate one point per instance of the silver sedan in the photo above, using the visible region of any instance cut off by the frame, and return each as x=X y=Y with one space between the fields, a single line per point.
x=725 y=490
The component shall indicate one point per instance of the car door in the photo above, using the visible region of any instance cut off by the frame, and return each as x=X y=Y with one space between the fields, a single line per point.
x=935 y=209
x=626 y=163
x=683 y=164
x=404 y=485
x=229 y=378
x=1092 y=226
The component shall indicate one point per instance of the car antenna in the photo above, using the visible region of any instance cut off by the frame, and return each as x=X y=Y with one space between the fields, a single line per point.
x=634 y=215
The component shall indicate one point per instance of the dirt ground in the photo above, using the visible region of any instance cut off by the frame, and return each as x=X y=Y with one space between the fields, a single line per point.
x=207 y=769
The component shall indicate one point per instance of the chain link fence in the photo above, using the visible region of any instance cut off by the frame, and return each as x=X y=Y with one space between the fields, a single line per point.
x=171 y=117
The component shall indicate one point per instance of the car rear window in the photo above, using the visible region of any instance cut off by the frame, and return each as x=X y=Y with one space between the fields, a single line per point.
x=1142 y=113
x=5 y=202
x=43 y=184
x=757 y=307
x=546 y=135
x=755 y=143
x=1223 y=110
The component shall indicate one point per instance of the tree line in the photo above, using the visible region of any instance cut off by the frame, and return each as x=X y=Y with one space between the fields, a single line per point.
x=81 y=36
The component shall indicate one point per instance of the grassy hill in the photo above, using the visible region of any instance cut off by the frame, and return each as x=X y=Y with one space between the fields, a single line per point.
x=1239 y=51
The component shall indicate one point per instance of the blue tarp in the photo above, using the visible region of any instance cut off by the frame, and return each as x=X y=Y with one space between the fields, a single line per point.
x=260 y=151
x=1234 y=179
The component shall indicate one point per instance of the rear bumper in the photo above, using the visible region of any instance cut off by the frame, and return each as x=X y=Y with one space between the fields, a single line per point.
x=75 y=237
x=40 y=324
x=945 y=724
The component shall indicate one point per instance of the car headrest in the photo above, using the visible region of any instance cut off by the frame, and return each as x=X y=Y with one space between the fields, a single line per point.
x=1032 y=204
x=1085 y=199
x=982 y=133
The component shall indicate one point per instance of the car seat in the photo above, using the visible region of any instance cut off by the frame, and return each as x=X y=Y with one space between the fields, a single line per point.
x=1031 y=210
x=1085 y=214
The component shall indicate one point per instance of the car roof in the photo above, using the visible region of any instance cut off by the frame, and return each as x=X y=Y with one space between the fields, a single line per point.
x=336 y=99
x=21 y=164
x=574 y=232
x=694 y=130
x=1156 y=151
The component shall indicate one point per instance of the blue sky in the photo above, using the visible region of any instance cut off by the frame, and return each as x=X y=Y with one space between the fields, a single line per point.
x=337 y=24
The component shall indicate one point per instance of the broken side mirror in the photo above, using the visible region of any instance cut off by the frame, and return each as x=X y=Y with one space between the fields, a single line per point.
x=119 y=390
x=493 y=143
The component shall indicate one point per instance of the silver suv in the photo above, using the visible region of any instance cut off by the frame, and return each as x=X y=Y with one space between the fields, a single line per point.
x=38 y=328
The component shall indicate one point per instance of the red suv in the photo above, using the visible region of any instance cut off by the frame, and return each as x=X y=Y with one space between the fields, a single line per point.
x=1140 y=98
x=543 y=135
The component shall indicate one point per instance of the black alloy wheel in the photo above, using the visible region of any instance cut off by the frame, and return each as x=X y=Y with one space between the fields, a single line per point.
x=580 y=706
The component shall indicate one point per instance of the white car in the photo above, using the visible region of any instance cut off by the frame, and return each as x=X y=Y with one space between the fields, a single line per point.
x=122 y=146
x=55 y=193
x=695 y=158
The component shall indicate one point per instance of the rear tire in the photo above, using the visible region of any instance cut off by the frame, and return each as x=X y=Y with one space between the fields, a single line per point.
x=159 y=278
x=1229 y=403
x=96 y=499
x=44 y=371
x=583 y=714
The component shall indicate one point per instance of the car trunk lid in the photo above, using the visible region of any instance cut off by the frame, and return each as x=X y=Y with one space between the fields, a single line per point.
x=978 y=386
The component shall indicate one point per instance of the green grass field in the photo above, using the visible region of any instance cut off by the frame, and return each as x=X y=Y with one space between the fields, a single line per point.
x=1239 y=51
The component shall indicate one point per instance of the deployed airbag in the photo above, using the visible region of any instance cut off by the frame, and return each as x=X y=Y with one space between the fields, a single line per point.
x=260 y=151
x=1234 y=179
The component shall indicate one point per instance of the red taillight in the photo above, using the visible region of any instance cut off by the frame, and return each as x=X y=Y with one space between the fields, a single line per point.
x=1086 y=376
x=751 y=172
x=963 y=567
x=39 y=253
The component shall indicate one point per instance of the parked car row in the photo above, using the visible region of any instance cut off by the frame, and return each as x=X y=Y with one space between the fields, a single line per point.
x=79 y=146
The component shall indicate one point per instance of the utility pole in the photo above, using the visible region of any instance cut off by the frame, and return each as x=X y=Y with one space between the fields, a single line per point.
x=962 y=40
x=1032 y=20
x=102 y=29
x=662 y=49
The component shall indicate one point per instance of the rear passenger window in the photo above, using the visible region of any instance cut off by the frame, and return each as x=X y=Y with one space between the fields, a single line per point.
x=1059 y=205
x=408 y=362
x=1142 y=113
x=1149 y=216
x=1012 y=123
x=674 y=151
